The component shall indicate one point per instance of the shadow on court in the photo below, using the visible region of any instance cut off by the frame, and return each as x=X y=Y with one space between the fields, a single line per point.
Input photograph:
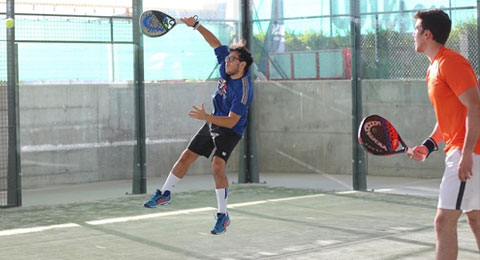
x=267 y=223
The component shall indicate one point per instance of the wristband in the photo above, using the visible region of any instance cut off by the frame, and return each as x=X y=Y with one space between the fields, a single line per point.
x=195 y=26
x=431 y=145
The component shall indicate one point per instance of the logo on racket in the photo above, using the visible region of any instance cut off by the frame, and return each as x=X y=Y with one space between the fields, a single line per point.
x=369 y=130
x=150 y=22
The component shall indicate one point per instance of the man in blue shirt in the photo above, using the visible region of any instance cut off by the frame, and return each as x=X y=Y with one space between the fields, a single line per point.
x=222 y=130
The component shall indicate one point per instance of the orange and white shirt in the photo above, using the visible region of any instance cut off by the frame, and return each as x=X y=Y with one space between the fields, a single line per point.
x=448 y=76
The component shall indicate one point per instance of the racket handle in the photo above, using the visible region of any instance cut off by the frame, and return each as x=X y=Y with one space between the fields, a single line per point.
x=178 y=20
x=409 y=151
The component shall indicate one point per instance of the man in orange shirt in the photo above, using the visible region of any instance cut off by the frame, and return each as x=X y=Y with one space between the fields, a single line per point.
x=455 y=96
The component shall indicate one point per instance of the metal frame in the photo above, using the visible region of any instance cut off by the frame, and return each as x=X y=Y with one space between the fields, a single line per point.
x=317 y=65
x=139 y=182
x=248 y=161
x=14 y=193
x=358 y=155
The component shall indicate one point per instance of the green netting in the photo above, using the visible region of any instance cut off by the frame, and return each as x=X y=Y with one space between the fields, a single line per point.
x=305 y=65
x=331 y=65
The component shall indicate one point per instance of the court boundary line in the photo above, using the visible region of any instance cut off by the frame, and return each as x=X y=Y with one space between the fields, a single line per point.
x=19 y=231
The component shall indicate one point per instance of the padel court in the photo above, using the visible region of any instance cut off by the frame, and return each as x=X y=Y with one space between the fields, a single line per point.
x=268 y=222
x=98 y=99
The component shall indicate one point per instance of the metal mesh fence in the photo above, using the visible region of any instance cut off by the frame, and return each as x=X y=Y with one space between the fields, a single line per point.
x=68 y=28
x=3 y=128
x=389 y=54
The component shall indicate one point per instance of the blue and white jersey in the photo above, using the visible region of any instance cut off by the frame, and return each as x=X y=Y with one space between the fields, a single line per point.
x=232 y=94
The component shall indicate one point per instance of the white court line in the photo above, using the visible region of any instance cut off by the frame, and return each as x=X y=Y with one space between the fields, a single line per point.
x=298 y=197
x=156 y=215
x=384 y=190
x=79 y=146
x=19 y=231
x=308 y=166
x=347 y=192
x=147 y=216
x=237 y=205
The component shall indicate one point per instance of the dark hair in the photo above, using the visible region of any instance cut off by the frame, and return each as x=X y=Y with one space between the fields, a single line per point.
x=243 y=54
x=437 y=22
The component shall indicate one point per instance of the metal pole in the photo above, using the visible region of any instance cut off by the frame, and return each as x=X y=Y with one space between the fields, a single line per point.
x=14 y=191
x=112 y=50
x=139 y=182
x=358 y=156
x=248 y=165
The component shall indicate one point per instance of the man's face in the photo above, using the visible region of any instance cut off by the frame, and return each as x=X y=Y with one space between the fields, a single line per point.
x=232 y=65
x=419 y=37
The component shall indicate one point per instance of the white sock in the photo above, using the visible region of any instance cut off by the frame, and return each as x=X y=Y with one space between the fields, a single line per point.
x=170 y=182
x=222 y=196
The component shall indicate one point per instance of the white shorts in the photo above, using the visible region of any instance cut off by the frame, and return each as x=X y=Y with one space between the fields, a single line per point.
x=452 y=194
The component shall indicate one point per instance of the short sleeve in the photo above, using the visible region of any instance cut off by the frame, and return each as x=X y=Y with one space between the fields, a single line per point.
x=221 y=52
x=458 y=74
x=242 y=97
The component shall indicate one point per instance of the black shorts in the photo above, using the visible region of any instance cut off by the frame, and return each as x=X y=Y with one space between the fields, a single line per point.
x=221 y=140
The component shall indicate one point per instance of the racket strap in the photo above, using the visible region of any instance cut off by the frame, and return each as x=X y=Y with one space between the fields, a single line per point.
x=431 y=145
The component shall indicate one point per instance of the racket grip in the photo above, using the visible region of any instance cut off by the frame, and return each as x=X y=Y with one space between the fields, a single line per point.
x=178 y=20
x=409 y=151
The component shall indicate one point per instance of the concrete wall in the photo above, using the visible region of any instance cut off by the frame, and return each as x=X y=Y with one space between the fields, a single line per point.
x=85 y=133
x=306 y=126
x=406 y=105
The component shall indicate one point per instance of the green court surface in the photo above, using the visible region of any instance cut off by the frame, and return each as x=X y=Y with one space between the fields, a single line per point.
x=267 y=223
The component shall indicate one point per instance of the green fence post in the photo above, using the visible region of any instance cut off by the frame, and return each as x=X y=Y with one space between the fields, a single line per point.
x=139 y=182
x=14 y=189
x=248 y=164
x=358 y=156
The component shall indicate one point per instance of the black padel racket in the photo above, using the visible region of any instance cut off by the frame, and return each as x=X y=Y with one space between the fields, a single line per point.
x=378 y=136
x=155 y=23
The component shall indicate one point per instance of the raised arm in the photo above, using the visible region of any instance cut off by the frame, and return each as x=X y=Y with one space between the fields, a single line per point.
x=209 y=36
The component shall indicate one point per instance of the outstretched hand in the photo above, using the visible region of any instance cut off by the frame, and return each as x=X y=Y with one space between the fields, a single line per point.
x=189 y=21
x=198 y=113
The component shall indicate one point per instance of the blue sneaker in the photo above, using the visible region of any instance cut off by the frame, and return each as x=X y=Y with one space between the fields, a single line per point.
x=158 y=199
x=223 y=220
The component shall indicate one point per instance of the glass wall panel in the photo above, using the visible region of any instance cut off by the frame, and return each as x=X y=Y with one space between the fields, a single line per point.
x=180 y=71
x=305 y=125
x=75 y=97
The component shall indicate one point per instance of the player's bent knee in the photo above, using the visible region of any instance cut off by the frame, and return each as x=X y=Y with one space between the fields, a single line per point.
x=188 y=156
x=218 y=166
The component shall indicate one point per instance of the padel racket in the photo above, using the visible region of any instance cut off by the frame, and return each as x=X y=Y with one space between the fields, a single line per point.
x=155 y=23
x=378 y=136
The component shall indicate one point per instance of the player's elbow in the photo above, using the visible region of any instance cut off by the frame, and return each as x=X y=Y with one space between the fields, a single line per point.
x=231 y=125
x=215 y=44
x=232 y=122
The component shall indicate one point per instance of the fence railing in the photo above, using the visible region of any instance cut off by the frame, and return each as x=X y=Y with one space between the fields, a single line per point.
x=309 y=65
